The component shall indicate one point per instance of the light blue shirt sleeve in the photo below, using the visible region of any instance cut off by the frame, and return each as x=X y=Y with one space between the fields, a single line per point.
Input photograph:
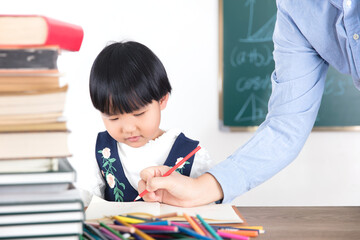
x=297 y=88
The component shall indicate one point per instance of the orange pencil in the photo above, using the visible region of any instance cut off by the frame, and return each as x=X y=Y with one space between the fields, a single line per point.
x=194 y=225
x=201 y=227
x=171 y=170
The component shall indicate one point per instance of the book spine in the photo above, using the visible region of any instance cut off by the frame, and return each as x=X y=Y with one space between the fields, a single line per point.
x=28 y=58
x=67 y=36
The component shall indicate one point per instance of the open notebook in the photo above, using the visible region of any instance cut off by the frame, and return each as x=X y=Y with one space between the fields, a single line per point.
x=212 y=213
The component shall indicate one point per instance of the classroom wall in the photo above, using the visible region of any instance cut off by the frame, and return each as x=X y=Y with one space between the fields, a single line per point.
x=184 y=35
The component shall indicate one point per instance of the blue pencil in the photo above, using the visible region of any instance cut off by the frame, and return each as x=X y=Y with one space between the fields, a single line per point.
x=165 y=223
x=193 y=233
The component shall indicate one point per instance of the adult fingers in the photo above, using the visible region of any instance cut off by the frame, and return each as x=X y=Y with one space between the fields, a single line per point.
x=168 y=183
x=151 y=172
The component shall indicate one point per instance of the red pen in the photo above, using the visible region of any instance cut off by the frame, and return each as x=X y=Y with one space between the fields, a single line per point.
x=172 y=169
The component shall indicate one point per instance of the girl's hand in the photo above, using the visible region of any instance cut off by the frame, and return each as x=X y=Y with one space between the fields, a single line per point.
x=177 y=189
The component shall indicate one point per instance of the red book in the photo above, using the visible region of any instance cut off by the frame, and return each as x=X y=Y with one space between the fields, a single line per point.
x=36 y=30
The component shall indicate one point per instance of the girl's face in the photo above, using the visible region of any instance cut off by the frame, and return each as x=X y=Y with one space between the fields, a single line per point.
x=139 y=127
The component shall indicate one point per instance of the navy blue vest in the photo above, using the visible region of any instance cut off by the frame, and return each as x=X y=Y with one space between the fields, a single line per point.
x=118 y=187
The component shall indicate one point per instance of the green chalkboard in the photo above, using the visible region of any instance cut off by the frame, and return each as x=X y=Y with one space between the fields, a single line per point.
x=246 y=28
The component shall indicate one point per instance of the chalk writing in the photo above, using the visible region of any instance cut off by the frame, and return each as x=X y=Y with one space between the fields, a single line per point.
x=253 y=109
x=253 y=56
x=254 y=83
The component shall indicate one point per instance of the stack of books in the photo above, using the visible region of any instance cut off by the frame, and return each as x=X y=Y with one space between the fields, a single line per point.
x=36 y=179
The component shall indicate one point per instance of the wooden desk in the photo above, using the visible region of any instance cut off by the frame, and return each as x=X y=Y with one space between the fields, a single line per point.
x=305 y=222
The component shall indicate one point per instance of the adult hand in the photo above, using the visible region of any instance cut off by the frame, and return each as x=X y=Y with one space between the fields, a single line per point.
x=177 y=189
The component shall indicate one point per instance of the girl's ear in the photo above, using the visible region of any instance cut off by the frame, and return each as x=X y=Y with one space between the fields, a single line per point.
x=163 y=101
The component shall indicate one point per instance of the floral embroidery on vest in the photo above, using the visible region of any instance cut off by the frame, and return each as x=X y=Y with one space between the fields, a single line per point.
x=182 y=166
x=109 y=175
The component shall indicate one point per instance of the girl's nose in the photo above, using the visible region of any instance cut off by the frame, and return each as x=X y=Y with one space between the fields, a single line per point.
x=129 y=127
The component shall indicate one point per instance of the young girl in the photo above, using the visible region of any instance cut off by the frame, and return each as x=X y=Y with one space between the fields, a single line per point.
x=130 y=87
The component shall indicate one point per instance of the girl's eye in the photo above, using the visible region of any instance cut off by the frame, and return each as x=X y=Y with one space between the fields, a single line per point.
x=138 y=114
x=113 y=119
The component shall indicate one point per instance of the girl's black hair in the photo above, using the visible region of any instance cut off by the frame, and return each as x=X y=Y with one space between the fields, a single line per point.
x=125 y=77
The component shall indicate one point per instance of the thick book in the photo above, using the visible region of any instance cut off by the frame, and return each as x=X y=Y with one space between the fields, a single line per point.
x=45 y=230
x=39 y=102
x=24 y=58
x=29 y=165
x=43 y=217
x=41 y=207
x=65 y=174
x=37 y=188
x=34 y=144
x=212 y=213
x=59 y=125
x=30 y=118
x=49 y=201
x=35 y=30
x=28 y=81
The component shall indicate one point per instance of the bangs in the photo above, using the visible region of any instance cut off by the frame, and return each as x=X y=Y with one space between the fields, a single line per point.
x=126 y=103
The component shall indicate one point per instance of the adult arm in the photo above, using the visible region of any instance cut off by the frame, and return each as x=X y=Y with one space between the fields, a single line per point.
x=297 y=88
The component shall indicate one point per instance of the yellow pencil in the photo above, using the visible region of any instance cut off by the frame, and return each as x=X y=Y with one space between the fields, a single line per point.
x=194 y=225
x=130 y=219
x=253 y=227
x=137 y=231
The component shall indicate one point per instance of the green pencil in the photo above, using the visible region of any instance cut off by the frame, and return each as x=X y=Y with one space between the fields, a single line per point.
x=209 y=228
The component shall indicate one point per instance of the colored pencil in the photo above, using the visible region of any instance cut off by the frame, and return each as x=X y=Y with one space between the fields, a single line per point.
x=137 y=231
x=247 y=233
x=206 y=232
x=109 y=234
x=171 y=170
x=193 y=233
x=162 y=232
x=209 y=228
x=232 y=236
x=180 y=224
x=95 y=231
x=130 y=219
x=86 y=232
x=112 y=231
x=255 y=228
x=87 y=235
x=194 y=225
x=167 y=215
x=156 y=227
x=143 y=218
x=163 y=223
x=116 y=227
x=258 y=229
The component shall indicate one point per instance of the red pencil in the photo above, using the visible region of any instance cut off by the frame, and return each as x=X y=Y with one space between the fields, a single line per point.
x=172 y=169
